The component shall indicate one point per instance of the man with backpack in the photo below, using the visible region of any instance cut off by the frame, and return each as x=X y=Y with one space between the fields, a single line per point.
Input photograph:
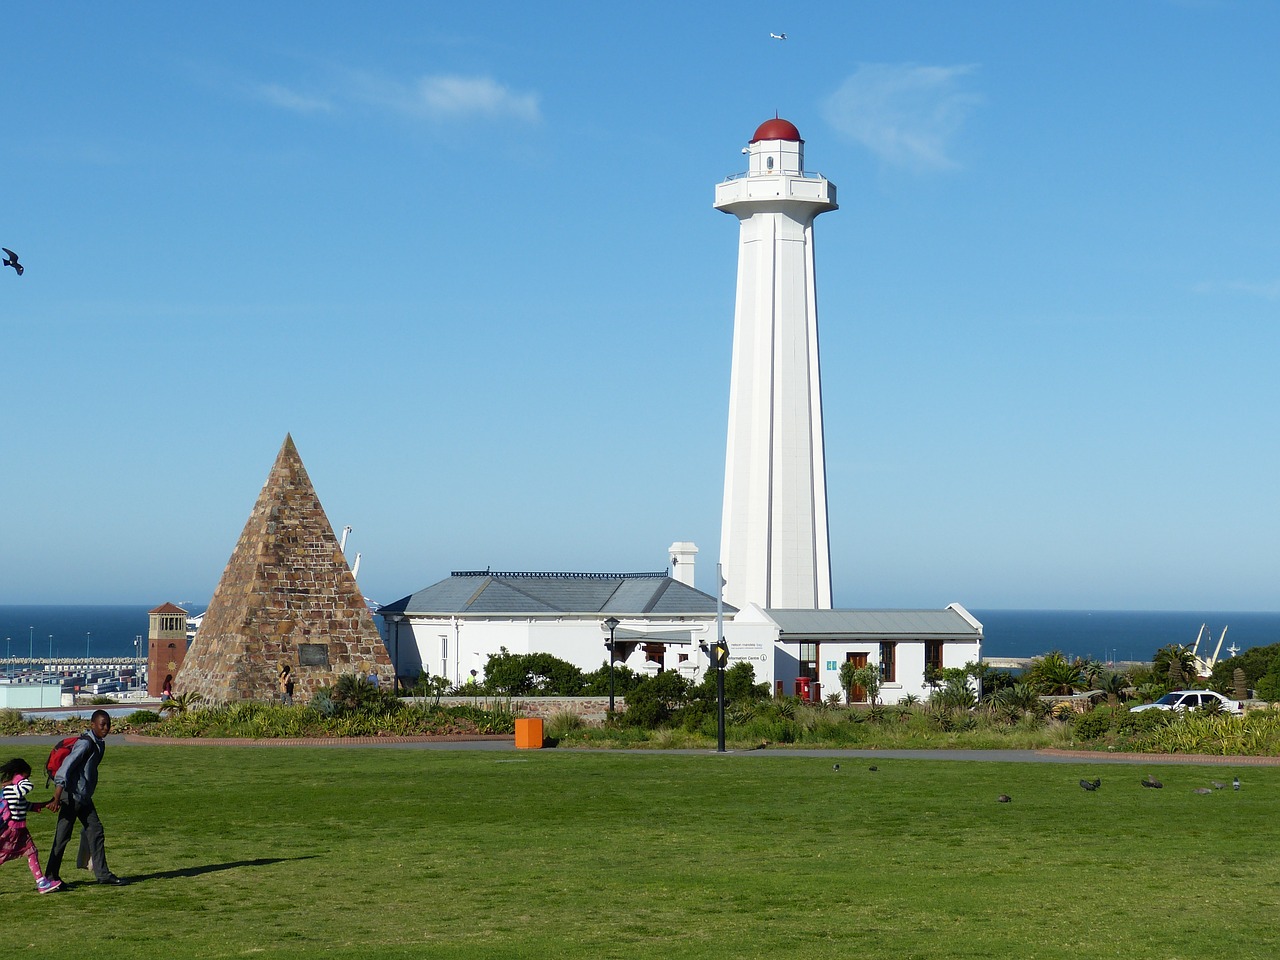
x=74 y=782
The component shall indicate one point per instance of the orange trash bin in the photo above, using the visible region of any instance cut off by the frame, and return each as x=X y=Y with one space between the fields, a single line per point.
x=529 y=734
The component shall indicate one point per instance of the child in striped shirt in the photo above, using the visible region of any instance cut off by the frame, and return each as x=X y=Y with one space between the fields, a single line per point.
x=15 y=840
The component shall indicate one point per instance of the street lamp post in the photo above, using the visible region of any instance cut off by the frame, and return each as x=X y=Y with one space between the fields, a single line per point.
x=51 y=649
x=612 y=624
x=31 y=644
x=86 y=644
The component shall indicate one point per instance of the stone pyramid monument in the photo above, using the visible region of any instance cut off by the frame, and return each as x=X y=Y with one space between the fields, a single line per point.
x=286 y=596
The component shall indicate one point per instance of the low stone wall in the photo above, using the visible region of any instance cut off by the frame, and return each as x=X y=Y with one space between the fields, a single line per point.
x=590 y=709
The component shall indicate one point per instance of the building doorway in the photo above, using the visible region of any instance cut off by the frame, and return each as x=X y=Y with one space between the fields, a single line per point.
x=857 y=694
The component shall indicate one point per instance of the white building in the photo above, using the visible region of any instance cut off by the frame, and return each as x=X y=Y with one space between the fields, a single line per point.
x=812 y=645
x=452 y=627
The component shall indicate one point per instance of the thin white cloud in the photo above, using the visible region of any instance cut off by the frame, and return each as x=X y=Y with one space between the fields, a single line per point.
x=281 y=96
x=439 y=97
x=1266 y=290
x=453 y=96
x=906 y=114
x=447 y=97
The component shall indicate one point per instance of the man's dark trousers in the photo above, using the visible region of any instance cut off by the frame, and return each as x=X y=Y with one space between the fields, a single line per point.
x=91 y=837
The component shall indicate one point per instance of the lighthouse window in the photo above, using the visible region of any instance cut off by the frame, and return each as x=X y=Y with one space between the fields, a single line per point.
x=768 y=162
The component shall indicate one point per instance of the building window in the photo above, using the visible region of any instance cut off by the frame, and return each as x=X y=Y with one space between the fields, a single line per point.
x=933 y=661
x=809 y=660
x=888 y=662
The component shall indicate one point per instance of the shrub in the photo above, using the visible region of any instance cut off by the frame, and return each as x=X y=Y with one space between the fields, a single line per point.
x=142 y=718
x=532 y=674
x=562 y=723
x=1143 y=722
x=655 y=700
x=12 y=723
x=1093 y=725
x=353 y=693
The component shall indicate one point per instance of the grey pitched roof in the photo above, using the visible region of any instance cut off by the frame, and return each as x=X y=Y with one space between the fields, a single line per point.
x=547 y=594
x=867 y=624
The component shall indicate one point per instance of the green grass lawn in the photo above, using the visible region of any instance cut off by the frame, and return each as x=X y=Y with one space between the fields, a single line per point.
x=389 y=853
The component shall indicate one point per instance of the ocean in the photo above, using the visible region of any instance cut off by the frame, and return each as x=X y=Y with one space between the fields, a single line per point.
x=107 y=631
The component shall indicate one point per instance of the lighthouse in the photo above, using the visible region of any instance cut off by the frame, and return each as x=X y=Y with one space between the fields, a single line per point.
x=773 y=536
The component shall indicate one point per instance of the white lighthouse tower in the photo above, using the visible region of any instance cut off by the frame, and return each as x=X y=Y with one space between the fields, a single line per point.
x=773 y=535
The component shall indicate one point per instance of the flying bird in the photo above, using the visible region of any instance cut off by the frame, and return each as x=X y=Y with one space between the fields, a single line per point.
x=1091 y=785
x=1151 y=781
x=1003 y=798
x=11 y=260
x=777 y=36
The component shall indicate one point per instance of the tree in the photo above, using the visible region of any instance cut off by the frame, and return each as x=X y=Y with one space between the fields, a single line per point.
x=1255 y=662
x=1269 y=683
x=1173 y=664
x=848 y=679
x=868 y=678
x=596 y=683
x=1113 y=684
x=739 y=685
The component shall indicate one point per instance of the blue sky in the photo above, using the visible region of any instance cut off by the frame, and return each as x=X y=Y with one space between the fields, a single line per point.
x=466 y=255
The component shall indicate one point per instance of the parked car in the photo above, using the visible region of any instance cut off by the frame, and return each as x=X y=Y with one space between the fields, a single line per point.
x=1192 y=700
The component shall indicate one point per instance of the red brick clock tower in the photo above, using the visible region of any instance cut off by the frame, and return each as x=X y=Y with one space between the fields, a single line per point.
x=166 y=646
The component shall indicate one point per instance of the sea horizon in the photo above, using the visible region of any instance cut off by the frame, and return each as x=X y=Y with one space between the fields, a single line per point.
x=115 y=630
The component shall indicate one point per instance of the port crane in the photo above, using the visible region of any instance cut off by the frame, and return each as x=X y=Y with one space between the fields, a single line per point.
x=1204 y=665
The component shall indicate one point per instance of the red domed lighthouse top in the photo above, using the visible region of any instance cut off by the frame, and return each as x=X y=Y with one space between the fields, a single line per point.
x=777 y=129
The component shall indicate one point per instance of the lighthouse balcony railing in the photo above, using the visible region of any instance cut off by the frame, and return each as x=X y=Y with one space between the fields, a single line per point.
x=806 y=174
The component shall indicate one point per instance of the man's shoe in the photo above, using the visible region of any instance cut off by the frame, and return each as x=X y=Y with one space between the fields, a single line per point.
x=112 y=880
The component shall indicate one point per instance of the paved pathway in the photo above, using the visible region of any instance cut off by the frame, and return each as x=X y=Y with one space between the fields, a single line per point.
x=36 y=746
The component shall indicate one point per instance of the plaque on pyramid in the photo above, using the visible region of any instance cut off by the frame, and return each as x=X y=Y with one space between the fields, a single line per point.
x=286 y=598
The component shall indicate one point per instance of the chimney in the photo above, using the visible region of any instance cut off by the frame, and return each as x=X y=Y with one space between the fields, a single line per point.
x=683 y=553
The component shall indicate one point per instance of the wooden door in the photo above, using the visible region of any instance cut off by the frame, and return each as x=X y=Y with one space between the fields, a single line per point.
x=859 y=660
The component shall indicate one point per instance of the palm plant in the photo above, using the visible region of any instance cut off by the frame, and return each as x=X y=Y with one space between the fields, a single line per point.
x=181 y=703
x=1091 y=671
x=1113 y=683
x=1021 y=697
x=1054 y=674
x=1175 y=662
